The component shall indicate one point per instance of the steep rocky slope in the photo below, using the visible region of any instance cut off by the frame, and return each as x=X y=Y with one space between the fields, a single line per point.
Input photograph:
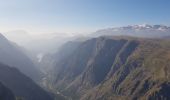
x=144 y=76
x=108 y=68
x=21 y=85
x=5 y=93
x=12 y=55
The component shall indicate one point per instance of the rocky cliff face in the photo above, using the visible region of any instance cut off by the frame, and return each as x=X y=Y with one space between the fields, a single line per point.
x=108 y=68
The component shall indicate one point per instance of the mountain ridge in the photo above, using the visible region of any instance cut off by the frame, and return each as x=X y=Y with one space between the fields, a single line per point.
x=109 y=64
x=13 y=55
x=144 y=30
x=21 y=85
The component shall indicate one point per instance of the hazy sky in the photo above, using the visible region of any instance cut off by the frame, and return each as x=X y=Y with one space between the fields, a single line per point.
x=43 y=16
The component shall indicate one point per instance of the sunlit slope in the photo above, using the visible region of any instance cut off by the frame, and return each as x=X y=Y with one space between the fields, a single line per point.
x=115 y=68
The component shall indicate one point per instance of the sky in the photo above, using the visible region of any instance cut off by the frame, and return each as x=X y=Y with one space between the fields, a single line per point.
x=78 y=16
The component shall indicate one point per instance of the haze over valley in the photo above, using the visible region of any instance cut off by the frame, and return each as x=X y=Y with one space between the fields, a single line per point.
x=84 y=50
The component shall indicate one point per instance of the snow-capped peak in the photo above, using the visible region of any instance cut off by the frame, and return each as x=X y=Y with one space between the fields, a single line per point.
x=146 y=26
x=143 y=30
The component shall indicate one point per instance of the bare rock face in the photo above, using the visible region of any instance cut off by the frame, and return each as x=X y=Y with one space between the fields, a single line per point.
x=108 y=68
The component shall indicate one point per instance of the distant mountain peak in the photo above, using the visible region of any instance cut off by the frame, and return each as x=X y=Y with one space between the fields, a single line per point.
x=141 y=30
x=145 y=26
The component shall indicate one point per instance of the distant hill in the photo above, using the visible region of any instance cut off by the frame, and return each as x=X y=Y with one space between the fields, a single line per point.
x=43 y=43
x=120 y=68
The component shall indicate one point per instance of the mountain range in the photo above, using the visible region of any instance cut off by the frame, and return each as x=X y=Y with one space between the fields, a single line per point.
x=13 y=55
x=122 y=63
x=38 y=44
x=114 y=68
x=19 y=77
x=143 y=30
